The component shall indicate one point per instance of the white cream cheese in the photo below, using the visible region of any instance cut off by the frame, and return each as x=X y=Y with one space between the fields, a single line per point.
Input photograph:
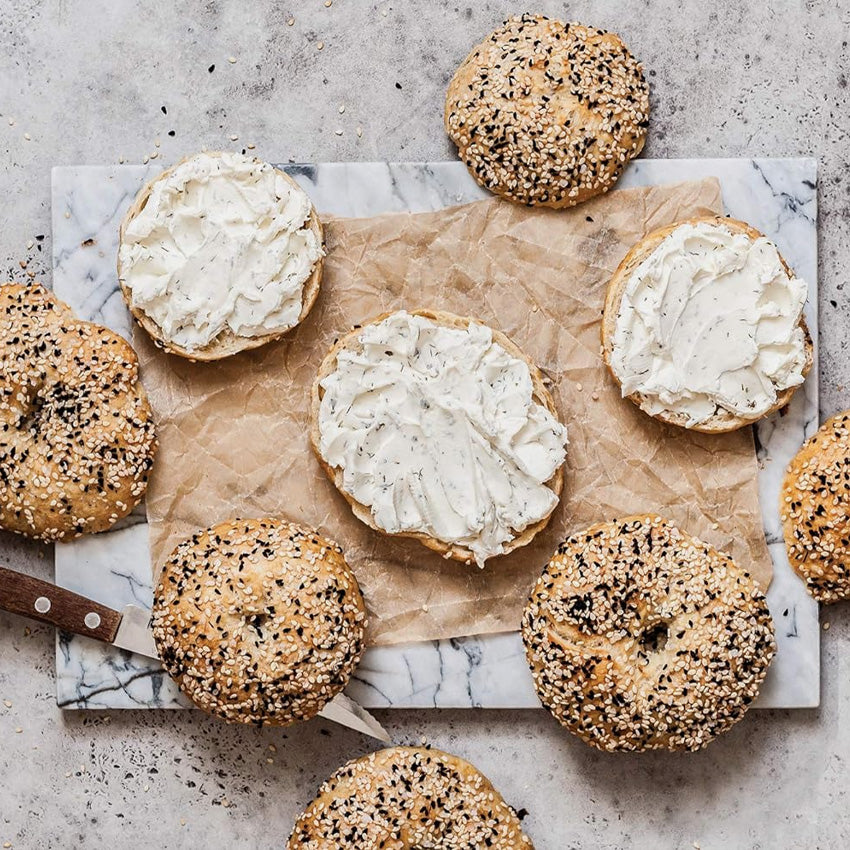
x=435 y=429
x=223 y=242
x=708 y=322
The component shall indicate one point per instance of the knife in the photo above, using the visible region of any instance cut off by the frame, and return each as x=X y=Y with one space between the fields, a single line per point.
x=129 y=629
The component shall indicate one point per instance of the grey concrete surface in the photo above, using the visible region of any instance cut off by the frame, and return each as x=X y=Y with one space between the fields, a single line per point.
x=94 y=80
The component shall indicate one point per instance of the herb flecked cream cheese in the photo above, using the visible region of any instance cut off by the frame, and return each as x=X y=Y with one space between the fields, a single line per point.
x=710 y=320
x=436 y=430
x=223 y=242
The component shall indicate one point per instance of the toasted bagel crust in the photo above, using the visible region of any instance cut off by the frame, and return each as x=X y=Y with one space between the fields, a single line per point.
x=408 y=797
x=77 y=442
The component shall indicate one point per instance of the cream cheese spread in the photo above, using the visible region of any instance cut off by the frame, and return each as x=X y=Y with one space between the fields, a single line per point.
x=223 y=242
x=710 y=321
x=435 y=429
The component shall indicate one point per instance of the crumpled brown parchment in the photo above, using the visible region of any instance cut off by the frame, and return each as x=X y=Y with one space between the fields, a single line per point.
x=234 y=435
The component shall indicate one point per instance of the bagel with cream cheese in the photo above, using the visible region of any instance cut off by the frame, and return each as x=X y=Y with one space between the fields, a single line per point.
x=703 y=325
x=437 y=428
x=219 y=254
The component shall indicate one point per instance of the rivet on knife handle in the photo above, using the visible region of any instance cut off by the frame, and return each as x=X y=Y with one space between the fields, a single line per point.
x=40 y=600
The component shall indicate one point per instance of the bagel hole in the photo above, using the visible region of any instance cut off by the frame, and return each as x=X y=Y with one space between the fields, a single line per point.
x=654 y=638
x=258 y=623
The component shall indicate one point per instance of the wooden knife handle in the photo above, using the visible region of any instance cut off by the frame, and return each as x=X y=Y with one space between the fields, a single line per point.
x=41 y=600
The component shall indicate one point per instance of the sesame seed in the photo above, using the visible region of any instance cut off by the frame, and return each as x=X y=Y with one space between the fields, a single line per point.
x=320 y=45
x=231 y=59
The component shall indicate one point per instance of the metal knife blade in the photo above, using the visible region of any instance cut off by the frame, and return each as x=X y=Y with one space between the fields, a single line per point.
x=134 y=635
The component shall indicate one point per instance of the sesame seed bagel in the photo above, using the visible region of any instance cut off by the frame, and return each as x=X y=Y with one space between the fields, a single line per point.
x=547 y=113
x=540 y=395
x=815 y=511
x=259 y=621
x=77 y=440
x=723 y=420
x=226 y=342
x=408 y=797
x=640 y=637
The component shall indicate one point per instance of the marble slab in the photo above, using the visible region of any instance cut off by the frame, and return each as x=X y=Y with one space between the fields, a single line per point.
x=778 y=196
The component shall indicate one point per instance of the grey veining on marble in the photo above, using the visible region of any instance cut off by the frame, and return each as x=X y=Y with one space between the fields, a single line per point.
x=777 y=196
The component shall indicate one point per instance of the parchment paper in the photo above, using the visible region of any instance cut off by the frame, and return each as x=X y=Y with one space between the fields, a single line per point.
x=233 y=435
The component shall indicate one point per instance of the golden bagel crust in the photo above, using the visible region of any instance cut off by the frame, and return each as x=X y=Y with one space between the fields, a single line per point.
x=815 y=509
x=226 y=343
x=548 y=113
x=259 y=621
x=640 y=637
x=723 y=421
x=408 y=797
x=76 y=431
x=540 y=394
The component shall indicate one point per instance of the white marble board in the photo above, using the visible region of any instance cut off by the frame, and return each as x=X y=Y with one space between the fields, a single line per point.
x=778 y=196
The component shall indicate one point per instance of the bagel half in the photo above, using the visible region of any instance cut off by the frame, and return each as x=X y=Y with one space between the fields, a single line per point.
x=723 y=420
x=408 y=797
x=548 y=113
x=226 y=343
x=540 y=395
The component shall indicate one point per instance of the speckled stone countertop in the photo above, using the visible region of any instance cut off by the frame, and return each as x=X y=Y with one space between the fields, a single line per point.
x=87 y=83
